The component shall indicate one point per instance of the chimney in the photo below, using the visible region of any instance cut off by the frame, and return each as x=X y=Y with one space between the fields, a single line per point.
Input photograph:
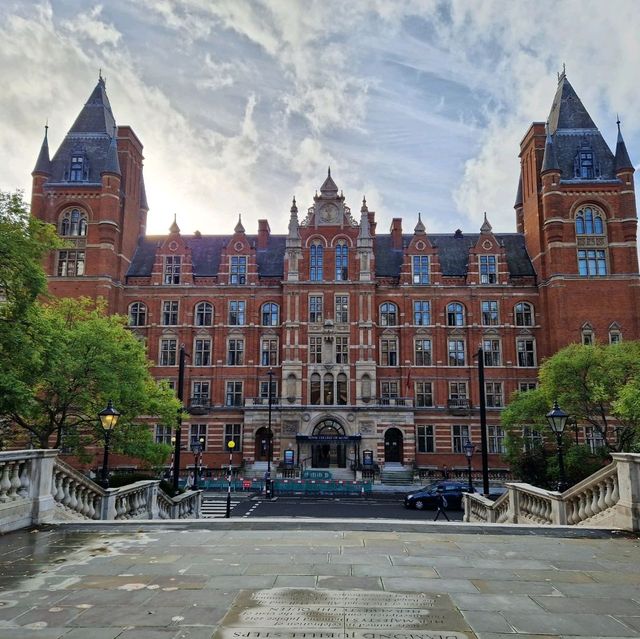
x=263 y=234
x=396 y=233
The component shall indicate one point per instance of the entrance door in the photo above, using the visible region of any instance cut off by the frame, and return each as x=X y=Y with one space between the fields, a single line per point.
x=321 y=455
x=393 y=446
x=262 y=445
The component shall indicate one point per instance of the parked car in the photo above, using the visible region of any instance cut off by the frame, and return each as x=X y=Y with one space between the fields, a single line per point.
x=427 y=497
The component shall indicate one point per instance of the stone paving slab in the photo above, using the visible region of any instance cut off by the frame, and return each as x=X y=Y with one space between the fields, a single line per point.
x=133 y=581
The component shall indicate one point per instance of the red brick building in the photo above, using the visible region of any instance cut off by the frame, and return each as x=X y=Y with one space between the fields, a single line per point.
x=372 y=337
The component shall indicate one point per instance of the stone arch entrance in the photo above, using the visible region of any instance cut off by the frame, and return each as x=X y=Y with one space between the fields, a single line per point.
x=393 y=446
x=262 y=444
x=328 y=447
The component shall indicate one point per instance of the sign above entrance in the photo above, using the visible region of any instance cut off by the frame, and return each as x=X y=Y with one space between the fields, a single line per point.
x=329 y=438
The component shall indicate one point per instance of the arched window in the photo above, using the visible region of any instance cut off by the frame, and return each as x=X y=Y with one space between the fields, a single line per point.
x=317 y=257
x=73 y=223
x=328 y=389
x=342 y=389
x=137 y=314
x=270 y=314
x=523 y=312
x=592 y=261
x=314 y=390
x=388 y=314
x=589 y=222
x=455 y=314
x=342 y=261
x=204 y=314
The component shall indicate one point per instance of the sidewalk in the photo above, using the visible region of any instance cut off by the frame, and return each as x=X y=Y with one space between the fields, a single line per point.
x=332 y=578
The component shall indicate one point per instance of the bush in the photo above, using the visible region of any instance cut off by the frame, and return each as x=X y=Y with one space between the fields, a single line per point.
x=124 y=479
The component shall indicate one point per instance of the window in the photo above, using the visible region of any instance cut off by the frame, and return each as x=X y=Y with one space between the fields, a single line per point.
x=615 y=336
x=270 y=314
x=491 y=350
x=342 y=309
x=137 y=314
x=235 y=353
x=490 y=313
x=343 y=390
x=587 y=336
x=269 y=351
x=493 y=394
x=198 y=434
x=388 y=390
x=70 y=263
x=200 y=393
x=236 y=313
x=589 y=222
x=202 y=352
x=172 y=266
x=342 y=350
x=420 y=264
x=238 y=270
x=421 y=312
x=592 y=263
x=233 y=433
x=523 y=312
x=422 y=352
x=315 y=350
x=316 y=271
x=526 y=349
x=204 y=314
x=233 y=394
x=459 y=437
x=456 y=352
x=495 y=436
x=168 y=348
x=163 y=434
x=264 y=390
x=314 y=389
x=424 y=394
x=584 y=166
x=458 y=397
x=389 y=352
x=315 y=308
x=455 y=314
x=426 y=439
x=169 y=313
x=73 y=223
x=593 y=438
x=342 y=261
x=388 y=314
x=488 y=269
x=79 y=170
x=523 y=387
x=531 y=438
x=328 y=389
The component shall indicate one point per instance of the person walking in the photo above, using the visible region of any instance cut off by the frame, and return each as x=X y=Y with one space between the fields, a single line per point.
x=442 y=504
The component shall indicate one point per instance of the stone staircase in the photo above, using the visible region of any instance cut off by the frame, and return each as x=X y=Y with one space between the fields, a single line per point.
x=396 y=475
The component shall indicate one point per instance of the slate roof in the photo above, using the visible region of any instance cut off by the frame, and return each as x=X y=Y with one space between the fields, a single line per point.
x=453 y=252
x=622 y=160
x=43 y=163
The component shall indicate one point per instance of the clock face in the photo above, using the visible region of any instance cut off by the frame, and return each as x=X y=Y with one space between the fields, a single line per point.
x=329 y=213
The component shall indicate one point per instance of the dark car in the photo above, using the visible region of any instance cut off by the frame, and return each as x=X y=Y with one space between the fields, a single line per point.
x=427 y=497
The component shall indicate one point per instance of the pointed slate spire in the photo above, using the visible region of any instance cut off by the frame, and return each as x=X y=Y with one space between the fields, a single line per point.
x=550 y=160
x=143 y=194
x=96 y=115
x=43 y=163
x=567 y=110
x=293 y=220
x=622 y=160
x=111 y=162
x=329 y=187
x=420 y=228
x=174 y=228
x=486 y=227
x=239 y=228
x=518 y=201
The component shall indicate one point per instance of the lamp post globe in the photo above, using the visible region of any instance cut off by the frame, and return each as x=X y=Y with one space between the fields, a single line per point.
x=108 y=419
x=230 y=445
x=469 y=448
x=557 y=420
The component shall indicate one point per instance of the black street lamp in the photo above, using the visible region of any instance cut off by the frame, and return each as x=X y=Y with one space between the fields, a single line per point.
x=268 y=486
x=196 y=449
x=108 y=419
x=230 y=445
x=469 y=449
x=557 y=419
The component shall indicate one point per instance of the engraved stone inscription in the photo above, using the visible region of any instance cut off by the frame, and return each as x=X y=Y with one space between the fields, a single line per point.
x=306 y=613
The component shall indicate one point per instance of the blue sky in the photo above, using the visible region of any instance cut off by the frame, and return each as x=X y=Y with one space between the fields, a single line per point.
x=241 y=105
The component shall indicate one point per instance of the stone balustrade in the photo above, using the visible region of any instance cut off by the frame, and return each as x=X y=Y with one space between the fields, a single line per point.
x=37 y=487
x=610 y=498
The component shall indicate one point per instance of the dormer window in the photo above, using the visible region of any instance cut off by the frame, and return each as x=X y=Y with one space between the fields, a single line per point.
x=584 y=165
x=420 y=268
x=172 y=269
x=78 y=171
x=238 y=273
x=488 y=269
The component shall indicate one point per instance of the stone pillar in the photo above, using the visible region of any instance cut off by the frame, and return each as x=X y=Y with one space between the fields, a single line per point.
x=108 y=510
x=628 y=506
x=514 y=505
x=41 y=485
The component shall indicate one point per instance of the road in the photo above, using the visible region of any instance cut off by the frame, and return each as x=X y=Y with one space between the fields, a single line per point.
x=346 y=507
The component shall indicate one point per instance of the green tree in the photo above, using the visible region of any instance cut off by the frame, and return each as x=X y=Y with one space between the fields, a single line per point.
x=81 y=358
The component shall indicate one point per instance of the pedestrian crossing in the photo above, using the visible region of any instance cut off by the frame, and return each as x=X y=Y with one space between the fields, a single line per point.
x=212 y=508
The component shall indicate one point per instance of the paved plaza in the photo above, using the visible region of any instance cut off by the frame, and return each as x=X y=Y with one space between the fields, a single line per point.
x=297 y=579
